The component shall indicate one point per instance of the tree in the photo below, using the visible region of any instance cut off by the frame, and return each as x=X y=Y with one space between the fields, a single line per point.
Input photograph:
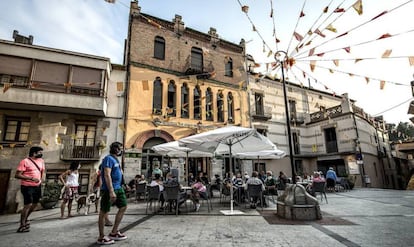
x=403 y=132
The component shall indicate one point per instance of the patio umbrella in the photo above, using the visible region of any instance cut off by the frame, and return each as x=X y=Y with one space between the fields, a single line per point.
x=262 y=154
x=228 y=140
x=172 y=149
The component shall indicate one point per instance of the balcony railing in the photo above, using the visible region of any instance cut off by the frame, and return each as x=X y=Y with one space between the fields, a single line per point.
x=80 y=149
x=263 y=113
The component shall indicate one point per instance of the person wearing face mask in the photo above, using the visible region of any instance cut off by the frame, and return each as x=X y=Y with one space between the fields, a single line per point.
x=270 y=184
x=31 y=172
x=112 y=193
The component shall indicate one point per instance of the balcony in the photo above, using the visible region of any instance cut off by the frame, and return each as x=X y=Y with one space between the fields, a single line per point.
x=297 y=118
x=261 y=113
x=81 y=149
x=56 y=98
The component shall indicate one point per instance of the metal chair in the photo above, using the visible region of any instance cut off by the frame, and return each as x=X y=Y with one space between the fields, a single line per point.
x=172 y=197
x=207 y=198
x=255 y=192
x=141 y=189
x=321 y=188
x=153 y=194
x=224 y=192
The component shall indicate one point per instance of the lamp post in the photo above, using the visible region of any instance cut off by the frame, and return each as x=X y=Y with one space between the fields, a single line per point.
x=281 y=57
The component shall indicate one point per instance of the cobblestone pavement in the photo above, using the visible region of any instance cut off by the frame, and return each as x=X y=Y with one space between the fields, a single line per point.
x=361 y=217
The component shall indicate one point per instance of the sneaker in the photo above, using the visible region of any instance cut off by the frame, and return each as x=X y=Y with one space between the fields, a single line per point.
x=109 y=223
x=117 y=236
x=105 y=241
x=197 y=207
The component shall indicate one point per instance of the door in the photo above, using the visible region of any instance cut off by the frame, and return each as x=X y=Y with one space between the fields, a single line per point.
x=4 y=187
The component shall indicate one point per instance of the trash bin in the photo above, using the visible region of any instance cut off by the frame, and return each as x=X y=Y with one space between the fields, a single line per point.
x=367 y=180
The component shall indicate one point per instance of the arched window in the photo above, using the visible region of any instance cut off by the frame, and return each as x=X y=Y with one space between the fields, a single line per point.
x=197 y=103
x=171 y=101
x=228 y=67
x=220 y=107
x=230 y=108
x=157 y=97
x=159 y=48
x=185 y=101
x=196 y=60
x=209 y=105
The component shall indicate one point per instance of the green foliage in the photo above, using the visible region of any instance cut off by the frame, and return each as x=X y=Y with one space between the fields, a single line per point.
x=402 y=132
x=51 y=192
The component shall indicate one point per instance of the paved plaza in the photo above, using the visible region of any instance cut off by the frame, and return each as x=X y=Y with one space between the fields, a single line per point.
x=361 y=217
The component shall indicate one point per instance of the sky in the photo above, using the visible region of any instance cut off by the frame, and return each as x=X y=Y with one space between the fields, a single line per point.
x=99 y=28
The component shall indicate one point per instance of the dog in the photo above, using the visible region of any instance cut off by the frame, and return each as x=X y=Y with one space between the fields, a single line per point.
x=86 y=202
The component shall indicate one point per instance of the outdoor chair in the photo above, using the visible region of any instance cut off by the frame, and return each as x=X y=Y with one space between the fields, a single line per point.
x=172 y=196
x=321 y=188
x=207 y=198
x=224 y=192
x=271 y=193
x=153 y=194
x=254 y=193
x=141 y=189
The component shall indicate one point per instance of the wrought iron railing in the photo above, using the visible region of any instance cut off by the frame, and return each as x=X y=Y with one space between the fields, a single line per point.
x=80 y=149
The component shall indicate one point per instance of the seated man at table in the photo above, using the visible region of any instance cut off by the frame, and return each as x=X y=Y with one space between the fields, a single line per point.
x=238 y=185
x=270 y=184
x=255 y=180
x=172 y=181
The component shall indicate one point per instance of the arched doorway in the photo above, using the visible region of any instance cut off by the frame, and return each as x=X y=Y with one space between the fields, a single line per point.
x=149 y=157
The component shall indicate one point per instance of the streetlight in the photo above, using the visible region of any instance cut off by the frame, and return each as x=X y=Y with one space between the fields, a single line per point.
x=281 y=57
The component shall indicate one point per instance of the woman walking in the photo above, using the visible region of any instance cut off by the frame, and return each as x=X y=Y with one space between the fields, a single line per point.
x=70 y=179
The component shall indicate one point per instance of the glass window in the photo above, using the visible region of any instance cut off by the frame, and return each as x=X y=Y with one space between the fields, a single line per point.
x=159 y=48
x=197 y=103
x=209 y=105
x=184 y=101
x=259 y=104
x=220 y=107
x=171 y=111
x=17 y=129
x=157 y=97
x=228 y=67
x=197 y=59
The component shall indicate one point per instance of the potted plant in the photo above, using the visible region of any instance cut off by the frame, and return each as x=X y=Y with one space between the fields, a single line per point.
x=51 y=194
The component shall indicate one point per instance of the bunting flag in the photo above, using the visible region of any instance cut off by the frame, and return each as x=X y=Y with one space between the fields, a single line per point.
x=67 y=84
x=411 y=60
x=271 y=13
x=269 y=53
x=308 y=43
x=358 y=7
x=301 y=14
x=317 y=31
x=1 y=147
x=367 y=79
x=350 y=74
x=331 y=28
x=12 y=145
x=298 y=37
x=320 y=54
x=339 y=10
x=58 y=140
x=331 y=70
x=245 y=9
x=205 y=51
x=277 y=40
x=383 y=13
x=382 y=84
x=110 y=1
x=336 y=62
x=357 y=60
x=45 y=142
x=347 y=49
x=121 y=127
x=241 y=85
x=254 y=28
x=312 y=65
x=386 y=54
x=325 y=10
x=384 y=36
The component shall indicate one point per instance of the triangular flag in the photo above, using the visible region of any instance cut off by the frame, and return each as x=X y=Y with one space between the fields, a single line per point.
x=6 y=86
x=254 y=28
x=384 y=36
x=331 y=70
x=350 y=74
x=347 y=49
x=317 y=31
x=339 y=10
x=331 y=28
x=386 y=54
x=302 y=14
x=312 y=65
x=357 y=60
x=269 y=53
x=277 y=40
x=308 y=43
x=110 y=1
x=325 y=10
x=367 y=79
x=358 y=7
x=241 y=84
x=271 y=13
x=245 y=8
x=298 y=36
x=411 y=60
x=382 y=84
x=383 y=13
x=320 y=54
x=336 y=62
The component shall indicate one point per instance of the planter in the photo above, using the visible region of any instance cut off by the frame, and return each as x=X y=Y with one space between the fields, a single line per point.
x=48 y=204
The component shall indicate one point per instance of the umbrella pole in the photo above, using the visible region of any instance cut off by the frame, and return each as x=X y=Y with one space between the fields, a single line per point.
x=186 y=167
x=231 y=181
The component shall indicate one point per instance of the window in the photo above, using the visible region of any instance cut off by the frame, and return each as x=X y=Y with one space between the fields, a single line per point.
x=18 y=81
x=296 y=145
x=159 y=48
x=209 y=105
x=330 y=140
x=197 y=103
x=184 y=101
x=17 y=129
x=259 y=104
x=84 y=142
x=292 y=109
x=171 y=111
x=196 y=59
x=262 y=131
x=230 y=108
x=157 y=97
x=220 y=107
x=228 y=67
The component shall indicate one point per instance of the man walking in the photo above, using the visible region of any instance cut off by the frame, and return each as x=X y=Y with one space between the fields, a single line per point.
x=112 y=193
x=30 y=171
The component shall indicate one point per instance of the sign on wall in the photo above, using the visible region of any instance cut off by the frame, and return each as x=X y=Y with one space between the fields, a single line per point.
x=353 y=167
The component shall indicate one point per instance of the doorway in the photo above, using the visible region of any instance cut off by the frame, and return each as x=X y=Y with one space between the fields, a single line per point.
x=4 y=187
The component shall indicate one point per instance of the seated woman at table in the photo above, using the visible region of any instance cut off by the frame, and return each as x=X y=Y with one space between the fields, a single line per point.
x=317 y=178
x=238 y=185
x=198 y=190
x=157 y=182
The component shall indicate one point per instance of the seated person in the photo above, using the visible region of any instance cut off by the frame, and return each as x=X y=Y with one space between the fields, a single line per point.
x=270 y=184
x=238 y=185
x=255 y=180
x=216 y=184
x=317 y=178
x=199 y=190
x=172 y=181
x=157 y=182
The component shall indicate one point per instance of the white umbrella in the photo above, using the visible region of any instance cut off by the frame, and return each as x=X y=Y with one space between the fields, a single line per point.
x=172 y=149
x=228 y=140
x=262 y=154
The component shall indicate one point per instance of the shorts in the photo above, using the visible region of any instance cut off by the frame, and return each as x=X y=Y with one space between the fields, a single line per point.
x=121 y=200
x=70 y=194
x=31 y=194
